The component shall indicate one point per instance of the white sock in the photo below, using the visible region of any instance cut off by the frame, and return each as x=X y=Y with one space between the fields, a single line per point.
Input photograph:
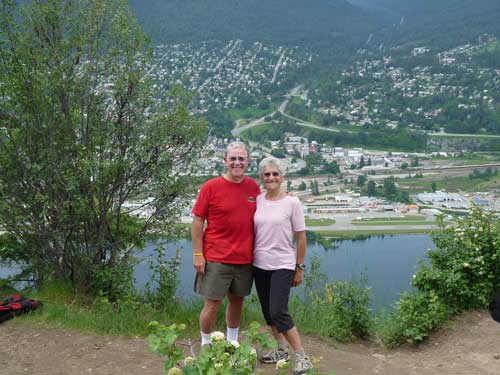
x=205 y=338
x=232 y=333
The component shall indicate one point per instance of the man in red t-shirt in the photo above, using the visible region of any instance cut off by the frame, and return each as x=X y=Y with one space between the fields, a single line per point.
x=223 y=252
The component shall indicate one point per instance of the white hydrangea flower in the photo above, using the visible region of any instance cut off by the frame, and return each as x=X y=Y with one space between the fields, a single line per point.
x=188 y=360
x=466 y=264
x=235 y=343
x=281 y=364
x=217 y=336
x=174 y=371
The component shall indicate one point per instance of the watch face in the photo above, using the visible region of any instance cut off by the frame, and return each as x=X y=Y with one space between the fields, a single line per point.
x=301 y=266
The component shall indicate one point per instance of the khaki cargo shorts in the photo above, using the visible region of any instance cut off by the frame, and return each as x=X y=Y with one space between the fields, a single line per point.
x=221 y=278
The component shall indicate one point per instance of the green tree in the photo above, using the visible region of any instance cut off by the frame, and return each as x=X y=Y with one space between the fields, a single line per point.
x=433 y=186
x=361 y=180
x=304 y=171
x=361 y=162
x=371 y=189
x=333 y=168
x=302 y=186
x=278 y=153
x=390 y=189
x=404 y=165
x=83 y=135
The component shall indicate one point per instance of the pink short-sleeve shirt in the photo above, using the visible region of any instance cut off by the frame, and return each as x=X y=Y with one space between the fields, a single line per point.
x=275 y=223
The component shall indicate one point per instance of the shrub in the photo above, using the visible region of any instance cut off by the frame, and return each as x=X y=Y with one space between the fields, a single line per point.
x=346 y=310
x=462 y=268
x=339 y=309
x=414 y=317
x=462 y=275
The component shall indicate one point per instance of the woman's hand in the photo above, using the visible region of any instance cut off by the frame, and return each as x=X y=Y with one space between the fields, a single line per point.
x=298 y=278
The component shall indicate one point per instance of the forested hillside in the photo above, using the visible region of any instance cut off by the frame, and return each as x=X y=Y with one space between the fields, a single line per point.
x=322 y=23
x=437 y=23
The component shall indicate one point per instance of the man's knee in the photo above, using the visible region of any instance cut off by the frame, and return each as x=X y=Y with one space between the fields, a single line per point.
x=211 y=306
x=234 y=299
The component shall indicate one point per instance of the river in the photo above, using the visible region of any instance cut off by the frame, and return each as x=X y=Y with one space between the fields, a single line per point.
x=388 y=262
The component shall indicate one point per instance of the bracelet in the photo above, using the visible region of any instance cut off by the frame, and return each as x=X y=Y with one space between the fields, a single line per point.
x=197 y=254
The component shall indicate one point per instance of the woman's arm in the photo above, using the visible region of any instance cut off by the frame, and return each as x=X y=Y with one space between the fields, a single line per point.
x=300 y=237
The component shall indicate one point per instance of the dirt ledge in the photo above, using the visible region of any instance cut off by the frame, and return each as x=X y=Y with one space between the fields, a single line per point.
x=469 y=346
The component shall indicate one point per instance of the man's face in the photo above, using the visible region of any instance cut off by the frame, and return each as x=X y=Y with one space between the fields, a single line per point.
x=237 y=163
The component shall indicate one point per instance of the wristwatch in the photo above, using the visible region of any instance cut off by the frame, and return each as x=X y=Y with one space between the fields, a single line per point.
x=301 y=266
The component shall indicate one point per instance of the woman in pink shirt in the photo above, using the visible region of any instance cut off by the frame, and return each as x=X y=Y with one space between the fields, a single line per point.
x=278 y=265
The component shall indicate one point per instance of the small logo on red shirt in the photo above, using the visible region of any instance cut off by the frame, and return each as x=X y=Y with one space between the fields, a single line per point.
x=251 y=199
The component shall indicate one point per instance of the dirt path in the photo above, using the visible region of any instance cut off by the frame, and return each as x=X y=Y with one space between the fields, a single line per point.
x=470 y=346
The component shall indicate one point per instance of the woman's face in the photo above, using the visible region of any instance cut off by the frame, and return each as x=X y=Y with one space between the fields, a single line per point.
x=272 y=178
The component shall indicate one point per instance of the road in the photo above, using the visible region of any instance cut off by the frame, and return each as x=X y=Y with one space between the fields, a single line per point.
x=281 y=109
x=278 y=65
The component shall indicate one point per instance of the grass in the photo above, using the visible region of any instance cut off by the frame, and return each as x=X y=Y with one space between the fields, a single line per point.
x=248 y=113
x=319 y=222
x=62 y=308
x=407 y=220
x=382 y=222
x=362 y=234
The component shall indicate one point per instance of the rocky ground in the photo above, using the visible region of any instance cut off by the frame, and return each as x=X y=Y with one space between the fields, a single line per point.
x=470 y=345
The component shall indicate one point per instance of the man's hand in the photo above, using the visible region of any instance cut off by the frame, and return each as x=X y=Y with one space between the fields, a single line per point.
x=298 y=278
x=199 y=263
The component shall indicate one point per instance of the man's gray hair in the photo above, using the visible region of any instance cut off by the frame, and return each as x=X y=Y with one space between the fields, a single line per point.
x=270 y=162
x=237 y=145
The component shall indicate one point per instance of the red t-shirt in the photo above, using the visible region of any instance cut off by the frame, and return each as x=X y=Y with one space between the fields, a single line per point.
x=228 y=208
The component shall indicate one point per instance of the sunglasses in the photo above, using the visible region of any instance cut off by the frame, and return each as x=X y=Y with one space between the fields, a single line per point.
x=239 y=158
x=269 y=174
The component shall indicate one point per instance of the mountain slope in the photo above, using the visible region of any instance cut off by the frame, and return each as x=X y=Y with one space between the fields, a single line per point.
x=441 y=23
x=298 y=22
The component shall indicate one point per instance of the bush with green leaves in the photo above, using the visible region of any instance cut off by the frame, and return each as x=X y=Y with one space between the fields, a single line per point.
x=462 y=269
x=415 y=316
x=462 y=274
x=336 y=309
x=221 y=358
x=345 y=310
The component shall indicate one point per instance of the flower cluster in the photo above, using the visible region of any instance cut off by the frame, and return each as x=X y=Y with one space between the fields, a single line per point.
x=220 y=358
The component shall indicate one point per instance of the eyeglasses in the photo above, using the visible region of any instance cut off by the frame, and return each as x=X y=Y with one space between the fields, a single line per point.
x=268 y=174
x=239 y=158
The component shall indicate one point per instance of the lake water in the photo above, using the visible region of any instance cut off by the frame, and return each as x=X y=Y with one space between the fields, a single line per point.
x=388 y=263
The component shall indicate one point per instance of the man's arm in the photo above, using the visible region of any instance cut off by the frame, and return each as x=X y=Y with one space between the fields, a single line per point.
x=301 y=256
x=197 y=239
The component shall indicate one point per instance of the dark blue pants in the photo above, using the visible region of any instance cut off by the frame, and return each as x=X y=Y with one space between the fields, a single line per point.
x=273 y=288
